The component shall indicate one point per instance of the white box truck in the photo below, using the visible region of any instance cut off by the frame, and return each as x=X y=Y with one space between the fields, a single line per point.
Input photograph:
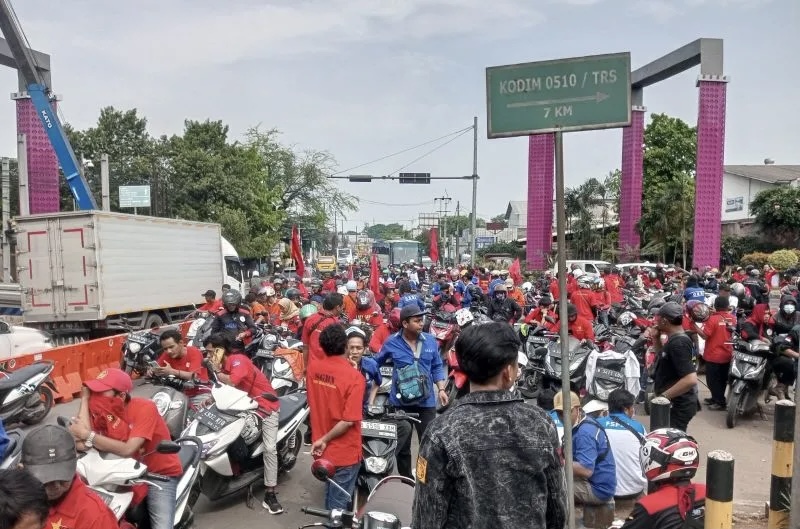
x=86 y=272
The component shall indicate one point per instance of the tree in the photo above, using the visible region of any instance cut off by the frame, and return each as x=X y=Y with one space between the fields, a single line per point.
x=775 y=211
x=500 y=219
x=387 y=231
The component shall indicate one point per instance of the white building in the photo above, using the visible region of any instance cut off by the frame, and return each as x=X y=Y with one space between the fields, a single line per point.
x=741 y=184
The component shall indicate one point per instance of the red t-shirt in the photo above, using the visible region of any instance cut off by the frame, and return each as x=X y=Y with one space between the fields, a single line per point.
x=581 y=329
x=81 y=508
x=583 y=299
x=247 y=377
x=716 y=331
x=192 y=361
x=312 y=328
x=146 y=423
x=613 y=283
x=336 y=393
x=555 y=292
x=212 y=306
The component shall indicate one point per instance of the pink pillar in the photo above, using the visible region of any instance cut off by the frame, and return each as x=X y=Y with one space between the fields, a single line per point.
x=539 y=232
x=43 y=176
x=631 y=186
x=708 y=179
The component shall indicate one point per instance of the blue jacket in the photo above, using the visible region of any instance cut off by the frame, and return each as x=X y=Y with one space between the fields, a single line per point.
x=4 y=441
x=430 y=364
x=466 y=295
x=493 y=284
x=369 y=368
x=435 y=288
x=590 y=448
x=694 y=294
x=410 y=299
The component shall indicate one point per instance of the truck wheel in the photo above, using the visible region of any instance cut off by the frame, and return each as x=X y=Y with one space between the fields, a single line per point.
x=154 y=319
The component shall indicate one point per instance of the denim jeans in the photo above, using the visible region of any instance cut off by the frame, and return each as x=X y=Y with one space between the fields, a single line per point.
x=345 y=477
x=161 y=504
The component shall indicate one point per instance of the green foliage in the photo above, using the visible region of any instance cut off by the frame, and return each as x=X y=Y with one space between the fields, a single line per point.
x=513 y=248
x=735 y=246
x=757 y=259
x=783 y=259
x=501 y=219
x=589 y=209
x=387 y=231
x=775 y=211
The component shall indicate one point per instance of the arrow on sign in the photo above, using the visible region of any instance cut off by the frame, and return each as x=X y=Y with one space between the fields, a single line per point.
x=597 y=98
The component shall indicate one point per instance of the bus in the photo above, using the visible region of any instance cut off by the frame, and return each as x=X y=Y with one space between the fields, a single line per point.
x=344 y=257
x=397 y=252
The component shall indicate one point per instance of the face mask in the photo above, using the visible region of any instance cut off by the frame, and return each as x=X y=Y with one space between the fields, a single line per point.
x=788 y=308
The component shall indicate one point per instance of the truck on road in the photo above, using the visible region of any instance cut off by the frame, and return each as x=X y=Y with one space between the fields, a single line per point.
x=92 y=273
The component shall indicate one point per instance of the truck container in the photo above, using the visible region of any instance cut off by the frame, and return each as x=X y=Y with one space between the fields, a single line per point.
x=96 y=271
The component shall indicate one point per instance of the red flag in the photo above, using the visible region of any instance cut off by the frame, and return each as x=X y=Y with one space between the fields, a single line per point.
x=374 y=275
x=297 y=252
x=434 y=245
x=350 y=275
x=514 y=272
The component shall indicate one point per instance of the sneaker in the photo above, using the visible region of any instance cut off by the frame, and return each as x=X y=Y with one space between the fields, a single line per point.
x=717 y=407
x=307 y=438
x=708 y=401
x=271 y=504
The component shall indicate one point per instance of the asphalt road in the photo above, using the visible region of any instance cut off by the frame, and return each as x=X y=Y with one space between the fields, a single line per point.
x=750 y=444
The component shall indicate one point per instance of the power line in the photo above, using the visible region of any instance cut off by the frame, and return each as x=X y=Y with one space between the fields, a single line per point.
x=451 y=140
x=461 y=131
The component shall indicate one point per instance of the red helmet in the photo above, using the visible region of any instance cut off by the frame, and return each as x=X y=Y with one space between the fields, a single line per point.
x=669 y=454
x=699 y=312
x=364 y=299
x=394 y=319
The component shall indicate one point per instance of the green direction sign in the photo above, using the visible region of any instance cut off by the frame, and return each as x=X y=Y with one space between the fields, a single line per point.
x=579 y=93
x=134 y=196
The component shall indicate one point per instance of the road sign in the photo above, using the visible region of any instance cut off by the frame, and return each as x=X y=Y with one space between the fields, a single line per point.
x=415 y=178
x=483 y=242
x=579 y=93
x=134 y=196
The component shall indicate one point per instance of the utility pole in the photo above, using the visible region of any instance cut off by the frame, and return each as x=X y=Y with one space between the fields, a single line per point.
x=458 y=222
x=473 y=228
x=445 y=202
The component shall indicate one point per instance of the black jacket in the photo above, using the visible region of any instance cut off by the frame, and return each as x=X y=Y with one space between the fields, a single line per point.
x=504 y=310
x=233 y=323
x=492 y=461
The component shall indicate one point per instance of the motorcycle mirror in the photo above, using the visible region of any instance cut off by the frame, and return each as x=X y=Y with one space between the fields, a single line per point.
x=271 y=397
x=168 y=447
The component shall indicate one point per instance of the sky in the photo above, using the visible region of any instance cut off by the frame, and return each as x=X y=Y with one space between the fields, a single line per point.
x=364 y=79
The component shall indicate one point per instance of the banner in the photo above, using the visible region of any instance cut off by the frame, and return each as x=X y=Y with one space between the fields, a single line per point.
x=297 y=252
x=434 y=245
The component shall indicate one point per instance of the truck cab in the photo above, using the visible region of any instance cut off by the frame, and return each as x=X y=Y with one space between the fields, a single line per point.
x=16 y=340
x=232 y=269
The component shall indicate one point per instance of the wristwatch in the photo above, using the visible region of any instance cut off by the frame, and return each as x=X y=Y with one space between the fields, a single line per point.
x=89 y=442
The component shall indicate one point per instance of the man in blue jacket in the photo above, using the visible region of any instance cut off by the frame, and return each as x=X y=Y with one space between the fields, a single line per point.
x=408 y=298
x=405 y=348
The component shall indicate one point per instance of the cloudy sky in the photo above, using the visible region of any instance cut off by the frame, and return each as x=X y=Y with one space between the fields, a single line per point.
x=367 y=78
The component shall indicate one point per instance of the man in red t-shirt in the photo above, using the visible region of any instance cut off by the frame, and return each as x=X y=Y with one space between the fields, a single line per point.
x=182 y=361
x=717 y=352
x=238 y=370
x=111 y=421
x=382 y=332
x=332 y=307
x=335 y=396
x=212 y=304
x=578 y=327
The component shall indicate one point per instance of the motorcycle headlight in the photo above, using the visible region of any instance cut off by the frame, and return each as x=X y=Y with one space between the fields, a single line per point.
x=376 y=465
x=207 y=448
x=162 y=402
x=282 y=369
x=134 y=347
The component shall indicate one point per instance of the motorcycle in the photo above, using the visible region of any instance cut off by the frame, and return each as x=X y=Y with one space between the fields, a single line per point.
x=113 y=477
x=746 y=381
x=276 y=367
x=379 y=445
x=553 y=362
x=537 y=343
x=13 y=454
x=445 y=329
x=389 y=505
x=230 y=432
x=26 y=395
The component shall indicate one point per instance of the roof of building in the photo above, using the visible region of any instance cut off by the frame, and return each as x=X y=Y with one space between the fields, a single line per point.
x=773 y=174
x=517 y=206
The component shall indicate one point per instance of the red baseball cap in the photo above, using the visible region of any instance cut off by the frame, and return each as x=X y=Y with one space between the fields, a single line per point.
x=113 y=378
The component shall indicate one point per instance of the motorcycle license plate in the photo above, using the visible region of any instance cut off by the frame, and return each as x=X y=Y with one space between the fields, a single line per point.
x=750 y=359
x=386 y=371
x=211 y=419
x=384 y=430
x=537 y=339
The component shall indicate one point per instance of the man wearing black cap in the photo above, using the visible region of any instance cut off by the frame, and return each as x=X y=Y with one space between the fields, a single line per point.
x=418 y=377
x=212 y=304
x=48 y=452
x=675 y=375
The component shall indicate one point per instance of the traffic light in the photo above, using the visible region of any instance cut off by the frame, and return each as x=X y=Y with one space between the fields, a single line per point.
x=415 y=178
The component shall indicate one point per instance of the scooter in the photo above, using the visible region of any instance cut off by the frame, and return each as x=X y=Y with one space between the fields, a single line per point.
x=26 y=395
x=389 y=505
x=537 y=344
x=112 y=477
x=445 y=329
x=553 y=362
x=230 y=432
x=379 y=445
x=746 y=380
x=13 y=454
x=265 y=351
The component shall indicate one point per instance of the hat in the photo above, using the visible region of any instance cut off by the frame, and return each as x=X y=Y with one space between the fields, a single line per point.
x=495 y=272
x=558 y=400
x=595 y=405
x=411 y=311
x=509 y=282
x=210 y=293
x=111 y=378
x=671 y=311
x=48 y=452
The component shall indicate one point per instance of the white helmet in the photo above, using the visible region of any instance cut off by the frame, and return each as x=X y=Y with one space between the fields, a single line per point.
x=464 y=317
x=626 y=318
x=255 y=274
x=267 y=291
x=341 y=289
x=585 y=282
x=526 y=286
x=351 y=286
x=577 y=273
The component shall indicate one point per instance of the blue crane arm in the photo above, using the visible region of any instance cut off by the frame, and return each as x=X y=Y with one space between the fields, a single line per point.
x=39 y=93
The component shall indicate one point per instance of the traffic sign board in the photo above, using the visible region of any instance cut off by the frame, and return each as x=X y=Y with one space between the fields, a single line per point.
x=415 y=178
x=579 y=93
x=134 y=196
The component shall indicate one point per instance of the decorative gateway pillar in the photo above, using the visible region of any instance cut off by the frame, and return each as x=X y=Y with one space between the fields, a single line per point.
x=630 y=209
x=708 y=175
x=43 y=177
x=539 y=232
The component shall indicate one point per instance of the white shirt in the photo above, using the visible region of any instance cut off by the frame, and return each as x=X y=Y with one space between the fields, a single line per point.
x=625 y=446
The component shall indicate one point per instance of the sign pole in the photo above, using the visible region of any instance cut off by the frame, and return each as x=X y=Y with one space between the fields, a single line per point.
x=473 y=228
x=561 y=221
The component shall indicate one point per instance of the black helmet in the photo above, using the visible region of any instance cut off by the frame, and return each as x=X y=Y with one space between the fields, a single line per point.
x=572 y=310
x=232 y=297
x=363 y=299
x=293 y=294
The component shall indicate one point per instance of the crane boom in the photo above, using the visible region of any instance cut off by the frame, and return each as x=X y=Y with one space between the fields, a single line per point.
x=39 y=93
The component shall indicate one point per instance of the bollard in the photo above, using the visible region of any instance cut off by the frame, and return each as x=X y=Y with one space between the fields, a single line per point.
x=659 y=413
x=780 y=488
x=719 y=490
